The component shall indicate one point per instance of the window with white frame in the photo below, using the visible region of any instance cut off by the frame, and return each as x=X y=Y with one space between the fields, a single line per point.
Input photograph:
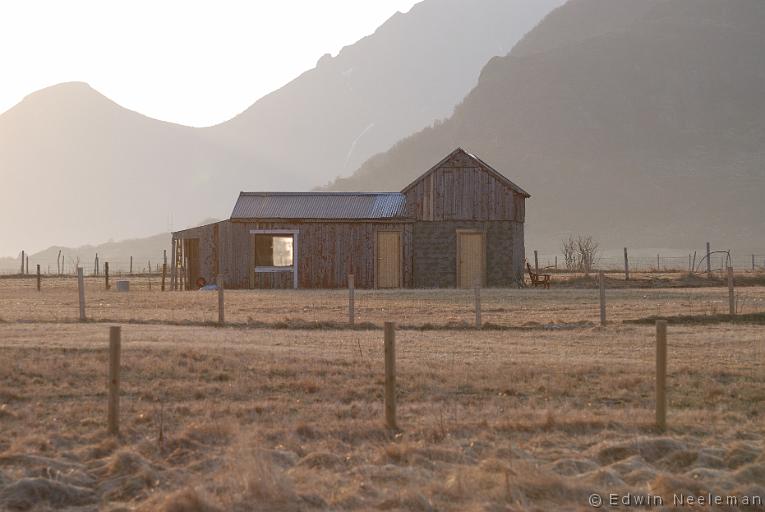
x=274 y=250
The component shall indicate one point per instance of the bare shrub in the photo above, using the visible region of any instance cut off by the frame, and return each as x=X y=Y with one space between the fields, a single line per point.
x=588 y=252
x=75 y=262
x=580 y=254
x=568 y=247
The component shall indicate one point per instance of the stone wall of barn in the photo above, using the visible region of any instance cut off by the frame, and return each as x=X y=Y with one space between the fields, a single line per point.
x=461 y=192
x=434 y=252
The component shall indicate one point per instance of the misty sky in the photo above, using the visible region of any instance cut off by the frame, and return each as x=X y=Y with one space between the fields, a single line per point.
x=191 y=62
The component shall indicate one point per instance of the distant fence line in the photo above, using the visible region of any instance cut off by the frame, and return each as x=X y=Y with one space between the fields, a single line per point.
x=659 y=263
x=115 y=268
x=94 y=266
x=125 y=265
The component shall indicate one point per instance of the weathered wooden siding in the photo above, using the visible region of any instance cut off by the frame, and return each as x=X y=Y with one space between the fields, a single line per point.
x=462 y=192
x=326 y=252
x=273 y=280
x=211 y=257
x=461 y=189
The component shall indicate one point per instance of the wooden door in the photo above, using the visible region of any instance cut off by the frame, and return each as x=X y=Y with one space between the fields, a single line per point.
x=388 y=259
x=470 y=259
x=191 y=253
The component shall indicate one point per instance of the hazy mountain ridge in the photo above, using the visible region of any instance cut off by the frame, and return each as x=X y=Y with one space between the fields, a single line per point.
x=82 y=168
x=78 y=163
x=144 y=251
x=650 y=129
x=411 y=71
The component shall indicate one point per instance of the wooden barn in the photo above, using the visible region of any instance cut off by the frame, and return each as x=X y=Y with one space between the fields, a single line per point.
x=459 y=223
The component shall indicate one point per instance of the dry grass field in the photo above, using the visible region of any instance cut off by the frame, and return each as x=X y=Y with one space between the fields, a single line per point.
x=562 y=306
x=273 y=413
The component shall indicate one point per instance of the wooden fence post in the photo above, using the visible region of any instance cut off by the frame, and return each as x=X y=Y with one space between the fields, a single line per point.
x=173 y=267
x=658 y=263
x=709 y=262
x=22 y=262
x=106 y=275
x=81 y=292
x=115 y=342
x=38 y=277
x=731 y=294
x=478 y=305
x=164 y=275
x=131 y=265
x=661 y=374
x=626 y=266
x=27 y=272
x=536 y=262
x=221 y=314
x=602 y=279
x=753 y=265
x=390 y=375
x=351 y=300
x=556 y=263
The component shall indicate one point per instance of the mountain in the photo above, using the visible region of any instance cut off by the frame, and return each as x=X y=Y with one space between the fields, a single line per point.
x=81 y=167
x=413 y=70
x=639 y=122
x=76 y=167
x=145 y=251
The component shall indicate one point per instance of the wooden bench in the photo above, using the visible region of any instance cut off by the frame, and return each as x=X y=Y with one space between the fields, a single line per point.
x=538 y=279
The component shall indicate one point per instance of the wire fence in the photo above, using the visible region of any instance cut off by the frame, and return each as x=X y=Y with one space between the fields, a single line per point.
x=719 y=261
x=490 y=308
x=640 y=263
x=567 y=319
x=117 y=266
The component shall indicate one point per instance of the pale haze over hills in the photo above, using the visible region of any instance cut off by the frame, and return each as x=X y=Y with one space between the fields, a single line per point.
x=642 y=123
x=82 y=169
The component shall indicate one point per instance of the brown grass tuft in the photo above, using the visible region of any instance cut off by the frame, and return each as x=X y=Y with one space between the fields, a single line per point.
x=264 y=486
x=26 y=493
x=187 y=500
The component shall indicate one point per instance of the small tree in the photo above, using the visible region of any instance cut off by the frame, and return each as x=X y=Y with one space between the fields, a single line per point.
x=587 y=253
x=568 y=247
x=75 y=264
x=580 y=254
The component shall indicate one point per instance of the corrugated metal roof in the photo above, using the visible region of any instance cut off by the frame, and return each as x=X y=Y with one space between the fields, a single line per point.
x=319 y=205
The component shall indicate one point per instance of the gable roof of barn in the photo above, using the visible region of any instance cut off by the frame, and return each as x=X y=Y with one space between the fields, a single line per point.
x=320 y=205
x=479 y=163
